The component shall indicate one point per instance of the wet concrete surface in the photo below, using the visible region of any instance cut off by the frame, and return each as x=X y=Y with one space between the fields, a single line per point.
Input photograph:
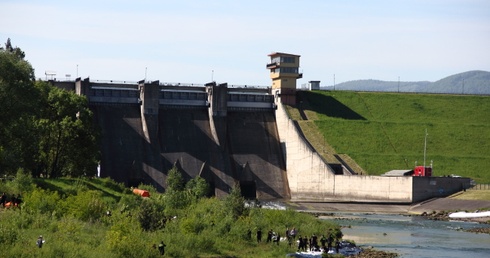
x=437 y=204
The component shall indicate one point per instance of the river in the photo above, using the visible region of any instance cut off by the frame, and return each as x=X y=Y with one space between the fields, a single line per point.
x=414 y=236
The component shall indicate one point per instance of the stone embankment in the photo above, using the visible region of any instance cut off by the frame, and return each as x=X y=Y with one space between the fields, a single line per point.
x=372 y=253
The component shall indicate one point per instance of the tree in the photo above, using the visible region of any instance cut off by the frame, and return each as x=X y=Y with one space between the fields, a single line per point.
x=67 y=139
x=235 y=202
x=18 y=102
x=43 y=129
x=198 y=188
x=175 y=181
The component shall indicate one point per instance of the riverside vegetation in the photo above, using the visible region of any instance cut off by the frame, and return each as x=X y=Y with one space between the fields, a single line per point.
x=72 y=216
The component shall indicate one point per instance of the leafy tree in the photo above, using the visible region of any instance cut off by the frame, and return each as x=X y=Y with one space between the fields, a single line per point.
x=18 y=108
x=43 y=129
x=175 y=197
x=175 y=181
x=235 y=202
x=67 y=142
x=198 y=188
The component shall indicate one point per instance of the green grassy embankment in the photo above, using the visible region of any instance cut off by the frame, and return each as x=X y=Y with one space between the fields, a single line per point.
x=386 y=131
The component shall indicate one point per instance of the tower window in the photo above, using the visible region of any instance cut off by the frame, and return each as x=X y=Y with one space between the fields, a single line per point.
x=287 y=59
x=288 y=70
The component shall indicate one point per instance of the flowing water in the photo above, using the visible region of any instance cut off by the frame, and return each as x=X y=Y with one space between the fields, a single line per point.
x=413 y=236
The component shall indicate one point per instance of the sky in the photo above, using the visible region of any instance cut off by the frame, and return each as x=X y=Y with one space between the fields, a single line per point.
x=194 y=41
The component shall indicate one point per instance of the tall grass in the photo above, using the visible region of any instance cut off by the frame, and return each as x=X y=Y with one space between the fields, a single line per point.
x=386 y=131
x=71 y=216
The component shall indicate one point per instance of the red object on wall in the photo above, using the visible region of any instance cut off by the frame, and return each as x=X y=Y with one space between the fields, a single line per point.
x=420 y=171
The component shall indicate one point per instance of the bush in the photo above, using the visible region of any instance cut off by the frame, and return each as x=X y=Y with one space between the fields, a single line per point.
x=8 y=235
x=86 y=205
x=150 y=215
x=41 y=201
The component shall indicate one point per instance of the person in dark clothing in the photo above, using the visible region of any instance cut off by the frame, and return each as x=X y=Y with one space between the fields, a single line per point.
x=305 y=243
x=3 y=199
x=337 y=246
x=276 y=238
x=161 y=248
x=314 y=242
x=40 y=241
x=17 y=201
x=269 y=236
x=300 y=243
x=323 y=241
x=259 y=235
x=330 y=241
x=13 y=200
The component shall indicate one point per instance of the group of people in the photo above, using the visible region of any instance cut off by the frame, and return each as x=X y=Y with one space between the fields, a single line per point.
x=13 y=201
x=311 y=244
x=331 y=242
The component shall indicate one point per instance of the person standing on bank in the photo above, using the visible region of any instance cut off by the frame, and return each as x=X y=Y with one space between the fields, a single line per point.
x=161 y=248
x=40 y=241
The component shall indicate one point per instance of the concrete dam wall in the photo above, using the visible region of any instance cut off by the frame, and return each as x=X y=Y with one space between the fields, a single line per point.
x=229 y=136
x=144 y=136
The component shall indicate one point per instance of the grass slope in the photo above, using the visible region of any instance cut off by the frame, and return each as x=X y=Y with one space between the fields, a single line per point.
x=386 y=131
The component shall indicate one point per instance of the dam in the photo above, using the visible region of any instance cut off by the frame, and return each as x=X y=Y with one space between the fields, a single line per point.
x=225 y=135
x=231 y=136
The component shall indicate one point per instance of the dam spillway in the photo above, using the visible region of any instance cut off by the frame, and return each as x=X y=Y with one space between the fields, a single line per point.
x=225 y=135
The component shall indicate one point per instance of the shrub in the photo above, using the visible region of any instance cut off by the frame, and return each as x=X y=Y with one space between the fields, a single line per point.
x=8 y=235
x=151 y=216
x=41 y=201
x=86 y=205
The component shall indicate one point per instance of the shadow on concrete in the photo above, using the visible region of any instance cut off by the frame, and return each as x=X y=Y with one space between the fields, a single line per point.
x=121 y=142
x=254 y=144
x=185 y=138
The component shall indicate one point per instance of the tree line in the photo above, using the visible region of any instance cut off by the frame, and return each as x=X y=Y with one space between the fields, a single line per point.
x=44 y=130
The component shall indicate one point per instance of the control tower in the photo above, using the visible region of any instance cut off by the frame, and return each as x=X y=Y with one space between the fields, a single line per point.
x=284 y=73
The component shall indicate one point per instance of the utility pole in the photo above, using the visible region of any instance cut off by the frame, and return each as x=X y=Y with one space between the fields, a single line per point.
x=463 y=87
x=398 y=84
x=425 y=147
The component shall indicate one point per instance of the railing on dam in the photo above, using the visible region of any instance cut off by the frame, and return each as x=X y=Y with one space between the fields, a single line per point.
x=110 y=92
x=183 y=97
x=121 y=95
x=481 y=187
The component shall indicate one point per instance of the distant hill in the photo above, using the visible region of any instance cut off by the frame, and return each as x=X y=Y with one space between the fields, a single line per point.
x=472 y=82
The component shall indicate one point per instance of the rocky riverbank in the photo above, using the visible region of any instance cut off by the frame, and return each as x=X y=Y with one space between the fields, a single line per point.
x=372 y=253
x=444 y=216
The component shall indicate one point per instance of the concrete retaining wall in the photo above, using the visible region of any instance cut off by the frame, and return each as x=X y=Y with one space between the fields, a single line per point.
x=308 y=175
x=373 y=189
x=311 y=178
x=429 y=187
